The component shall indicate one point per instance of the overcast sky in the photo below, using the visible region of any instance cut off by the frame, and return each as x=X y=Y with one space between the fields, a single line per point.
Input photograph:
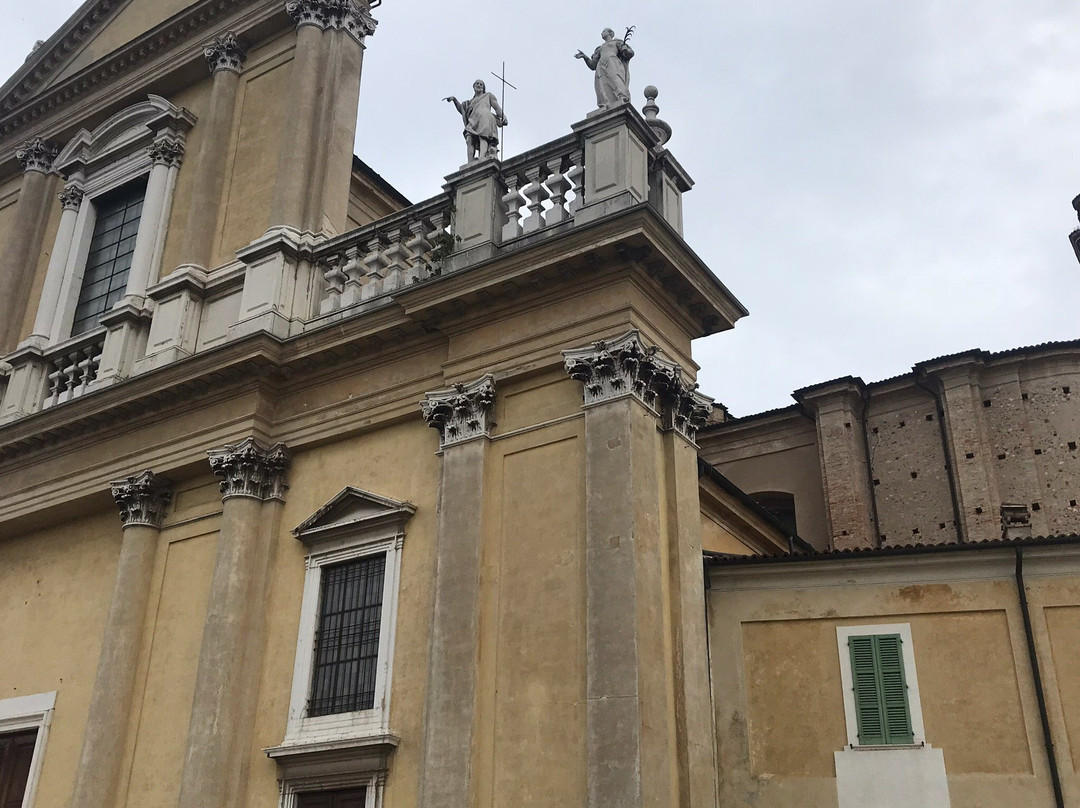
x=879 y=182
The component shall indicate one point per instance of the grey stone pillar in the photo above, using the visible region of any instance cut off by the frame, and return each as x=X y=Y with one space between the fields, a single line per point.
x=315 y=161
x=629 y=736
x=71 y=200
x=225 y=55
x=461 y=414
x=23 y=242
x=142 y=499
x=222 y=713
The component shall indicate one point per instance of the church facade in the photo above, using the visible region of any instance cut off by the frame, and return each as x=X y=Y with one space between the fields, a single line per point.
x=419 y=504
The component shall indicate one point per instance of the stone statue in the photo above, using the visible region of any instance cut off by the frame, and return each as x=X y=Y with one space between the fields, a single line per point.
x=611 y=63
x=482 y=116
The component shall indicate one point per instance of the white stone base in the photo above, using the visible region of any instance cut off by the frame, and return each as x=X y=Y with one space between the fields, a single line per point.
x=892 y=778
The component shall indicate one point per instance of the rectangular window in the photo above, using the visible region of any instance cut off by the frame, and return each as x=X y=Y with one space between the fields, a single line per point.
x=111 y=249
x=16 y=756
x=880 y=686
x=353 y=798
x=347 y=636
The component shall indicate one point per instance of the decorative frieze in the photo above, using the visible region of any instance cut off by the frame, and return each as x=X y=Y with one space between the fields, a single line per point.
x=344 y=15
x=37 y=155
x=622 y=367
x=71 y=197
x=249 y=469
x=225 y=52
x=167 y=151
x=462 y=412
x=142 y=499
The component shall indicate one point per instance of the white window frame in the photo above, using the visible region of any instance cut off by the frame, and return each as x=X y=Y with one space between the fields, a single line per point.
x=29 y=712
x=847 y=682
x=381 y=532
x=374 y=782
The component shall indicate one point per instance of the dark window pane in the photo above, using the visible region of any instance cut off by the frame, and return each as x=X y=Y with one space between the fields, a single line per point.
x=347 y=638
x=16 y=754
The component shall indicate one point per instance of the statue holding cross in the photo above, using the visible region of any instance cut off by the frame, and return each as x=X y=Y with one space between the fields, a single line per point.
x=483 y=116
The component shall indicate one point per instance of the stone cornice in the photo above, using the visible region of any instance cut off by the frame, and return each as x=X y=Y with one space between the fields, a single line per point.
x=225 y=52
x=142 y=499
x=249 y=469
x=21 y=108
x=462 y=412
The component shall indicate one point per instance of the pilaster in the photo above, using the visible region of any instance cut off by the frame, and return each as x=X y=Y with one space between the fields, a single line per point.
x=23 y=241
x=617 y=144
x=839 y=410
x=143 y=500
x=462 y=414
x=222 y=713
x=26 y=384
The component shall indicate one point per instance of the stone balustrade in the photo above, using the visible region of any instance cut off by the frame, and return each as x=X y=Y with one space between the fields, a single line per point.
x=72 y=368
x=544 y=187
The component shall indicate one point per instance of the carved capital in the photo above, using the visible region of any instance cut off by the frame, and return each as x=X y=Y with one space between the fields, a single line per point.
x=142 y=498
x=622 y=367
x=343 y=15
x=37 y=155
x=166 y=151
x=249 y=469
x=462 y=412
x=686 y=411
x=71 y=197
x=225 y=52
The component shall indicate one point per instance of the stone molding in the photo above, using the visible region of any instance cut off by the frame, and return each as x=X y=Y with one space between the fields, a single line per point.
x=71 y=197
x=167 y=151
x=225 y=52
x=142 y=499
x=462 y=412
x=342 y=15
x=37 y=155
x=614 y=369
x=249 y=469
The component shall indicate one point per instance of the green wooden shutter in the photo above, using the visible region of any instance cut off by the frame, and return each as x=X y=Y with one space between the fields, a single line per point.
x=881 y=703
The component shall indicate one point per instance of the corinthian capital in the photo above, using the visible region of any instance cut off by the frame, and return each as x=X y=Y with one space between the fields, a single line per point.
x=142 y=499
x=249 y=469
x=37 y=155
x=462 y=412
x=71 y=197
x=622 y=367
x=686 y=410
x=344 y=15
x=166 y=151
x=225 y=52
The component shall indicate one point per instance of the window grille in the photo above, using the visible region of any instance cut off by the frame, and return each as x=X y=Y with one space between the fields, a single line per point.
x=347 y=638
x=111 y=249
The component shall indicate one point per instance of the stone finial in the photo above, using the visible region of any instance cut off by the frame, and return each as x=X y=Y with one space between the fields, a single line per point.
x=37 y=155
x=651 y=110
x=249 y=469
x=462 y=412
x=71 y=197
x=166 y=151
x=343 y=15
x=622 y=367
x=142 y=499
x=225 y=52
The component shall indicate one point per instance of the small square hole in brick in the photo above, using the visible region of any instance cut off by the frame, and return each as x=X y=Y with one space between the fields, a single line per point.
x=903 y=423
x=941 y=525
x=1072 y=503
x=978 y=510
x=1065 y=390
x=914 y=474
x=1023 y=396
x=970 y=455
x=874 y=430
x=1035 y=506
x=1038 y=451
x=884 y=537
x=847 y=425
x=877 y=482
x=987 y=403
x=915 y=531
x=1001 y=456
x=1072 y=446
x=843 y=532
x=930 y=418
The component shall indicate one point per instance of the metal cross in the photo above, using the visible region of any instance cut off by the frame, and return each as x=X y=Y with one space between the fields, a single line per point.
x=502 y=102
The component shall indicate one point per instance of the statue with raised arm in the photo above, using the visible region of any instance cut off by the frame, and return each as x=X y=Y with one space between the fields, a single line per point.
x=482 y=117
x=611 y=63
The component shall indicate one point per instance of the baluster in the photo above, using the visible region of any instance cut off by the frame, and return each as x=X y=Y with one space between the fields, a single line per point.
x=397 y=262
x=83 y=371
x=535 y=193
x=512 y=202
x=55 y=385
x=71 y=370
x=335 y=285
x=418 y=247
x=557 y=186
x=94 y=365
x=576 y=175
x=354 y=277
x=374 y=266
x=442 y=241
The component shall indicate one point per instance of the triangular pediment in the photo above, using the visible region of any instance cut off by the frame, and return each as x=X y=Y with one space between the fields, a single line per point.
x=354 y=510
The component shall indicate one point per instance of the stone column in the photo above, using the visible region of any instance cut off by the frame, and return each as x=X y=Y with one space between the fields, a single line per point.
x=686 y=411
x=71 y=199
x=462 y=415
x=143 y=499
x=225 y=55
x=630 y=733
x=166 y=155
x=222 y=713
x=23 y=241
x=839 y=411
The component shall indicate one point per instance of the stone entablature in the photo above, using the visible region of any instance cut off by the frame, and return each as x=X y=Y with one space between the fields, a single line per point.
x=250 y=469
x=142 y=498
x=461 y=413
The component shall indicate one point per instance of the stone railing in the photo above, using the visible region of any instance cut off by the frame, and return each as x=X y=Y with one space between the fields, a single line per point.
x=544 y=187
x=73 y=367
